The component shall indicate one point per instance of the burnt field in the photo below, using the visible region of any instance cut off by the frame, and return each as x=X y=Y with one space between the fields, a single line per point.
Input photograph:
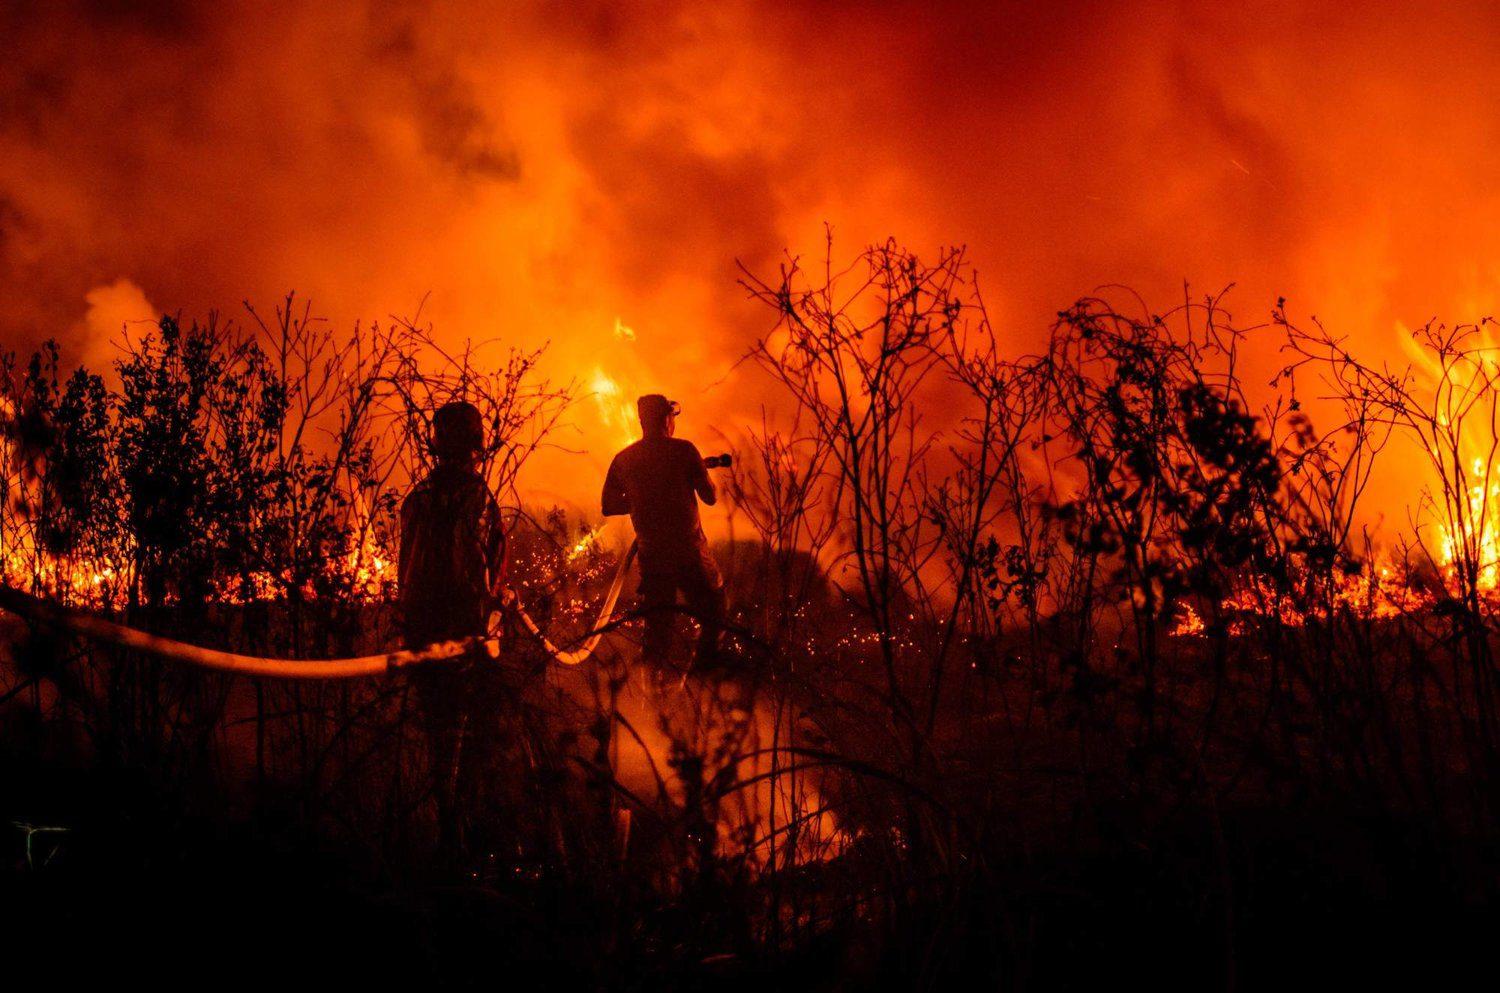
x=1040 y=670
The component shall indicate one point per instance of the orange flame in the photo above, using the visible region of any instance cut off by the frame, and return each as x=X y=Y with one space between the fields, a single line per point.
x=615 y=408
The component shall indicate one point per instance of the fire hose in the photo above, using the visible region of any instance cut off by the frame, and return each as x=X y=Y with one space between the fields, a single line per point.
x=169 y=649
x=581 y=653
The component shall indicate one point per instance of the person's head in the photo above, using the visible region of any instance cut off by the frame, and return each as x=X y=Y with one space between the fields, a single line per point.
x=457 y=432
x=658 y=415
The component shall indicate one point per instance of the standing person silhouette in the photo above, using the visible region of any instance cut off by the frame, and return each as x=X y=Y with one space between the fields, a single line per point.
x=658 y=481
x=451 y=566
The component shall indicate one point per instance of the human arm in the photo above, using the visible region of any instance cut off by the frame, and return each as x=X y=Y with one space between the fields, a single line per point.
x=698 y=473
x=614 y=501
x=495 y=547
x=407 y=540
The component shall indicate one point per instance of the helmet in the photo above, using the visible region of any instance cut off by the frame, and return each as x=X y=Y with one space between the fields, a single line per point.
x=457 y=430
x=653 y=408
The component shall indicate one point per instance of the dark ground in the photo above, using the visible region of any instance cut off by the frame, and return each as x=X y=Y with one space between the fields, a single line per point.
x=134 y=890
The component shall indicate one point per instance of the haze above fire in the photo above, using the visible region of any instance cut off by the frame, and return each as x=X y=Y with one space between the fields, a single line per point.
x=551 y=172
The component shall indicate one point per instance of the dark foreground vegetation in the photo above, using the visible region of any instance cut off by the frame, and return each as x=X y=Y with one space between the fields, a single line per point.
x=1045 y=671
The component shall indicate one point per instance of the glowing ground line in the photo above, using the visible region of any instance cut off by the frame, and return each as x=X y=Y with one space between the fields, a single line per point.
x=218 y=660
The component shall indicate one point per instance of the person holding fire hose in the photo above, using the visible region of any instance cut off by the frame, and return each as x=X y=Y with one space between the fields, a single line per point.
x=658 y=481
x=450 y=570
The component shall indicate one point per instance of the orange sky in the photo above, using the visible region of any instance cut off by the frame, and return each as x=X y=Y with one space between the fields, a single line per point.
x=543 y=170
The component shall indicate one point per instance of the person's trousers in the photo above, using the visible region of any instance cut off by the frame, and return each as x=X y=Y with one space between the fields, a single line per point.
x=444 y=691
x=698 y=583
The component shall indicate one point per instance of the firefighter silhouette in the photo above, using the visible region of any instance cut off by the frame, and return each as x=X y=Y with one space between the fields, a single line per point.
x=452 y=545
x=450 y=571
x=658 y=481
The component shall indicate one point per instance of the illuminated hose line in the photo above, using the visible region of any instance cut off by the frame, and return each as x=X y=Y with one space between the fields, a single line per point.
x=581 y=654
x=172 y=650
